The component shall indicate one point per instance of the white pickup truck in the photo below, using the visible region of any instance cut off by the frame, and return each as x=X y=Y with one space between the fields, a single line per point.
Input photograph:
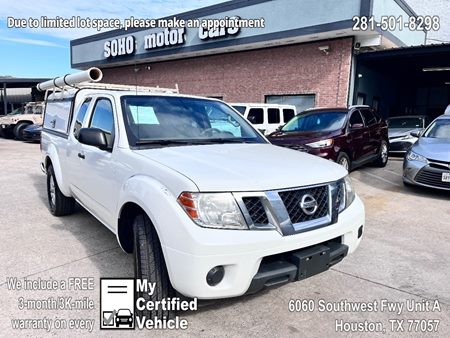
x=207 y=205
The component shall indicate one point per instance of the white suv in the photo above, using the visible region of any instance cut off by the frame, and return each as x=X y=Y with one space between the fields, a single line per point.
x=266 y=117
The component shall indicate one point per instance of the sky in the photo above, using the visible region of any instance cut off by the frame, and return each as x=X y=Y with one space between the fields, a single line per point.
x=42 y=53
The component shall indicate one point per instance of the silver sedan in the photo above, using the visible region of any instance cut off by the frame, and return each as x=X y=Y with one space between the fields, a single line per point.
x=427 y=163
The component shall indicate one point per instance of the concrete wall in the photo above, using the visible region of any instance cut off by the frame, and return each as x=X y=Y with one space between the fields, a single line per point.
x=249 y=76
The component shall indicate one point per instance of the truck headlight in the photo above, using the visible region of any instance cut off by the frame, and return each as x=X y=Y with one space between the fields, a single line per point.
x=347 y=193
x=321 y=144
x=213 y=210
x=412 y=156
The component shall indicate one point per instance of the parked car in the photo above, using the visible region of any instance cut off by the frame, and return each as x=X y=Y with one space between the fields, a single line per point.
x=16 y=124
x=32 y=133
x=266 y=117
x=427 y=163
x=349 y=136
x=399 y=130
x=5 y=121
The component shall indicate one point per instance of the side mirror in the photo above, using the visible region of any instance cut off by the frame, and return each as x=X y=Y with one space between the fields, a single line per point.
x=93 y=137
x=357 y=126
x=415 y=133
x=280 y=127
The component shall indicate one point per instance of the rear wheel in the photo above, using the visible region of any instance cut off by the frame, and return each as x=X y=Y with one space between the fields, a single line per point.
x=59 y=204
x=344 y=161
x=18 y=130
x=150 y=265
x=382 y=159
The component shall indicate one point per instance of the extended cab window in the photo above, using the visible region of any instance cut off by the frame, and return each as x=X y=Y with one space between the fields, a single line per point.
x=273 y=115
x=103 y=118
x=80 y=117
x=256 y=116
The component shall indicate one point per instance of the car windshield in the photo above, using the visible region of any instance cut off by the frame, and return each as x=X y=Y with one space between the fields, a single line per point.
x=124 y=312
x=406 y=122
x=321 y=121
x=438 y=129
x=171 y=120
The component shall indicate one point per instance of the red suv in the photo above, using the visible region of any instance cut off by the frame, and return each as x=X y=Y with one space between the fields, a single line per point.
x=349 y=136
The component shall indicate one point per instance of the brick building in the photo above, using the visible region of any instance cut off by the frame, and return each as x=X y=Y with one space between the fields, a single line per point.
x=304 y=55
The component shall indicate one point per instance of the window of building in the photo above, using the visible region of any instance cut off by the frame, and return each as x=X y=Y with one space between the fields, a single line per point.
x=301 y=102
x=256 y=115
x=240 y=109
x=273 y=115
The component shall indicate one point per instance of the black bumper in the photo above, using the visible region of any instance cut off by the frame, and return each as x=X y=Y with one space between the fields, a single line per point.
x=297 y=265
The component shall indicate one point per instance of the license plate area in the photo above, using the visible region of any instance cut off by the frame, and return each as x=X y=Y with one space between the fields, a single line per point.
x=445 y=177
x=311 y=261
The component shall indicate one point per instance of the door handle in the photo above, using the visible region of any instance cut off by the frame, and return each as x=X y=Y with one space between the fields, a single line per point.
x=80 y=155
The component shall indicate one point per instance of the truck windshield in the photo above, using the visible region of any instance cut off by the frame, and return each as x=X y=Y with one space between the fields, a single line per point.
x=171 y=120
x=322 y=121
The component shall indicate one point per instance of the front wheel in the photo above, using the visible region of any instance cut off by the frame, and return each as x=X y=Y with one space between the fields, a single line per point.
x=150 y=265
x=382 y=159
x=18 y=130
x=59 y=204
x=344 y=161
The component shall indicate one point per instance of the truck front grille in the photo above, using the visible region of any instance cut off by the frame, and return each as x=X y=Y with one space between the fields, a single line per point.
x=293 y=198
x=256 y=210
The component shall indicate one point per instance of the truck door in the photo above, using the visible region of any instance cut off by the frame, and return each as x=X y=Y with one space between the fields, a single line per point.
x=98 y=186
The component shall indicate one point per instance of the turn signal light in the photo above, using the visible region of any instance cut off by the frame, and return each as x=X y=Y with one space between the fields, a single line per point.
x=187 y=201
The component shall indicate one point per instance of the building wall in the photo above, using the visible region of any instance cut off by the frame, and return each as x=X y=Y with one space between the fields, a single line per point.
x=249 y=76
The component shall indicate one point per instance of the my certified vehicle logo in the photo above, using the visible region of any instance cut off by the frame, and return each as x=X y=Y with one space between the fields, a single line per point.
x=308 y=204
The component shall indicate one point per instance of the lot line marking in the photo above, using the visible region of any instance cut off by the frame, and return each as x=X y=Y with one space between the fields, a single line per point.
x=67 y=263
x=388 y=286
x=380 y=178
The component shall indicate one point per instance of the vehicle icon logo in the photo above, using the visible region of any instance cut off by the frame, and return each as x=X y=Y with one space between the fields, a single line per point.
x=308 y=204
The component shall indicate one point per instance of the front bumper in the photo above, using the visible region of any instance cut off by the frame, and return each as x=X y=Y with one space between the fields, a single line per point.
x=426 y=174
x=241 y=254
x=400 y=145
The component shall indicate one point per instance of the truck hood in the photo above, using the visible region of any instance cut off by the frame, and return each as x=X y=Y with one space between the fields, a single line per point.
x=245 y=167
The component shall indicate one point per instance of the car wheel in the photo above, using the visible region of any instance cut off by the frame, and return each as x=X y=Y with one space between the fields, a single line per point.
x=150 y=265
x=59 y=204
x=18 y=130
x=344 y=161
x=382 y=159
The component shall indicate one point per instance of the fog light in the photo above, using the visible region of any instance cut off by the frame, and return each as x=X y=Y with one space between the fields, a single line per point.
x=360 y=231
x=215 y=275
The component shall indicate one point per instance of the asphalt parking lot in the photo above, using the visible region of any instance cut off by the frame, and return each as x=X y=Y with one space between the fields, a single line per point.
x=403 y=259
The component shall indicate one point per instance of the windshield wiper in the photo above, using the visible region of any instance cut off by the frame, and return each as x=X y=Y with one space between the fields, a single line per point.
x=164 y=142
x=227 y=140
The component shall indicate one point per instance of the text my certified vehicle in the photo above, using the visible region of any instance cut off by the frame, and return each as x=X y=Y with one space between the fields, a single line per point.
x=201 y=205
x=427 y=163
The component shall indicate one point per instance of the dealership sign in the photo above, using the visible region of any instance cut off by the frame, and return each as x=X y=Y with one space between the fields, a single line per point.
x=164 y=38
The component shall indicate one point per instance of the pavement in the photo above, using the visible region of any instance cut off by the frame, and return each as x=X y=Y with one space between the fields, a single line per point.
x=397 y=283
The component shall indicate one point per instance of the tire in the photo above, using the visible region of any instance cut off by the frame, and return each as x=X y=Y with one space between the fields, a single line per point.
x=344 y=161
x=59 y=205
x=19 y=128
x=382 y=159
x=150 y=264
